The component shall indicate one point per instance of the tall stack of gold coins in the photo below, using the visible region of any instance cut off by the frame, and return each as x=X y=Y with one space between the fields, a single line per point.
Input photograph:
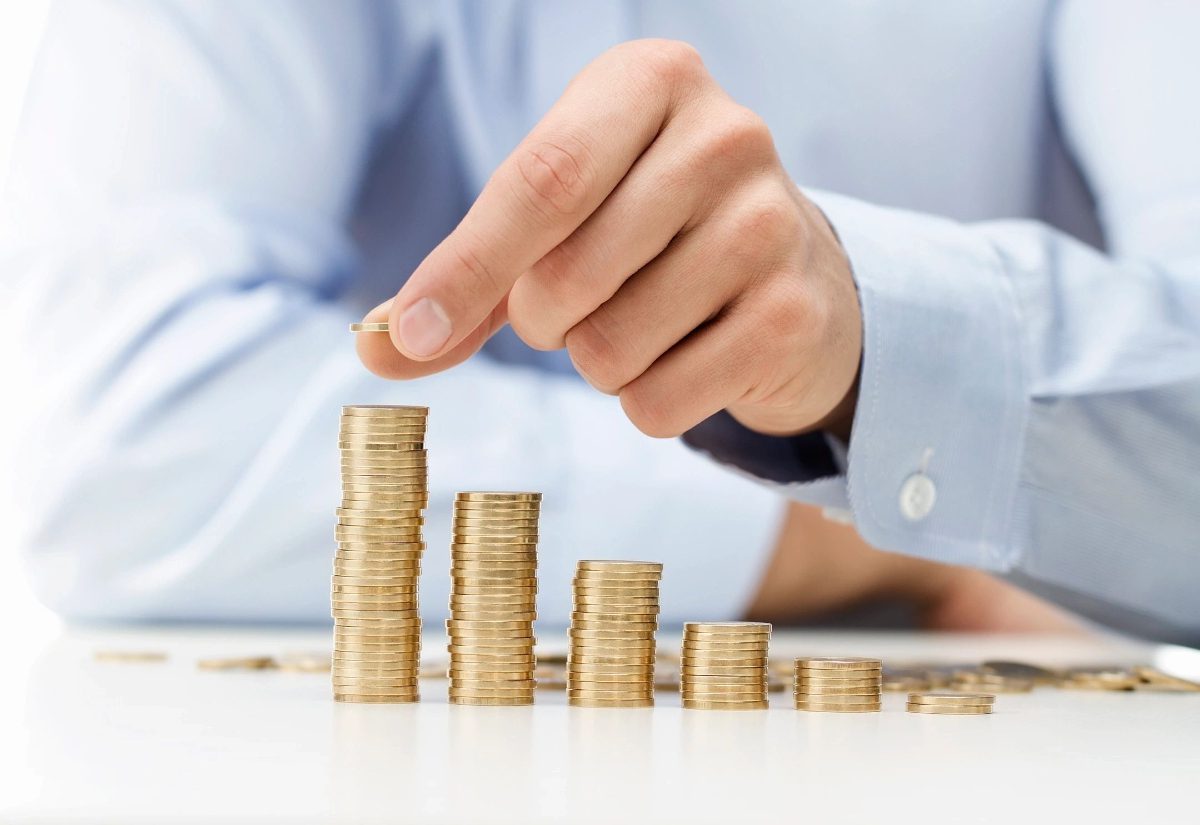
x=611 y=658
x=839 y=685
x=723 y=665
x=376 y=622
x=493 y=593
x=951 y=704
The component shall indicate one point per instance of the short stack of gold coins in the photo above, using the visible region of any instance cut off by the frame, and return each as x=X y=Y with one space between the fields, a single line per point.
x=376 y=621
x=723 y=665
x=493 y=595
x=610 y=663
x=839 y=684
x=951 y=704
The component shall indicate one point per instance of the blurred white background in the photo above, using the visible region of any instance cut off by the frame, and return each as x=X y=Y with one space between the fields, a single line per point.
x=24 y=620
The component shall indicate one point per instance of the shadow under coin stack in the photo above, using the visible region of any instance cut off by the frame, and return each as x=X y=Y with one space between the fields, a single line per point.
x=376 y=622
x=724 y=665
x=611 y=659
x=839 y=685
x=493 y=592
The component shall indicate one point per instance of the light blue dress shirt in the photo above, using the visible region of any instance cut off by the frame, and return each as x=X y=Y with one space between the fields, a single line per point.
x=204 y=193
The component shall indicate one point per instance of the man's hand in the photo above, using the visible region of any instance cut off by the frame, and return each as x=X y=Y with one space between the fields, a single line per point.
x=647 y=225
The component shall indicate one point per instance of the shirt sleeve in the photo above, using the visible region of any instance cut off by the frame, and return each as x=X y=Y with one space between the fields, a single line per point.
x=177 y=276
x=1029 y=403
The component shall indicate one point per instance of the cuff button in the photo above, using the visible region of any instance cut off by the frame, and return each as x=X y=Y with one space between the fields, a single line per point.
x=918 y=494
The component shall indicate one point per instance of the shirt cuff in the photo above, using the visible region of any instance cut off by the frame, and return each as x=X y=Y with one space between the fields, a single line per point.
x=934 y=452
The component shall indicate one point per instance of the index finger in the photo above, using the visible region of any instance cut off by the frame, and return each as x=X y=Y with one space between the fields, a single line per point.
x=558 y=175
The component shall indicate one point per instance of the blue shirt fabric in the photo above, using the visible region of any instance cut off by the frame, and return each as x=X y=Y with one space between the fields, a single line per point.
x=204 y=194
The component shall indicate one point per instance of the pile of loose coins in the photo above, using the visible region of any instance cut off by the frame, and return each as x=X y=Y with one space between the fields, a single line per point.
x=376 y=621
x=839 y=685
x=611 y=658
x=723 y=665
x=951 y=704
x=493 y=597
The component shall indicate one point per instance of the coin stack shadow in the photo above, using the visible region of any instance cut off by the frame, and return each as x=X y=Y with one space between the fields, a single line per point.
x=723 y=665
x=376 y=621
x=493 y=594
x=839 y=685
x=610 y=663
x=951 y=704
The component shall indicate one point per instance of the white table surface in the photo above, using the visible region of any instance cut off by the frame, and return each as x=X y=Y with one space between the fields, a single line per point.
x=85 y=741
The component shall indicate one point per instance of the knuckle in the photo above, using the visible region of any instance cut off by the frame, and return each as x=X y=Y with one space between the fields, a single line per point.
x=595 y=355
x=739 y=136
x=528 y=318
x=787 y=311
x=648 y=410
x=555 y=176
x=670 y=62
x=766 y=220
x=481 y=277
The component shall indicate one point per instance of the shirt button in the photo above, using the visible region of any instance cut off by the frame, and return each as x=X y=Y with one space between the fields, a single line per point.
x=918 y=494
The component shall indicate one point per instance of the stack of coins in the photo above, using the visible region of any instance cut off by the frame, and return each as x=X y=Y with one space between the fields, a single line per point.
x=724 y=665
x=951 y=704
x=840 y=685
x=493 y=592
x=376 y=623
x=611 y=659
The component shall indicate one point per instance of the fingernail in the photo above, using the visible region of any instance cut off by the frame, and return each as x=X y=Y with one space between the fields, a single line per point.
x=424 y=328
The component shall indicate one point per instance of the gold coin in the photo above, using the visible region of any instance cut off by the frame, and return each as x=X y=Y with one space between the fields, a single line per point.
x=386 y=410
x=802 y=690
x=828 y=708
x=359 y=601
x=623 y=659
x=841 y=698
x=410 y=462
x=368 y=327
x=497 y=509
x=644 y=648
x=839 y=663
x=374 y=589
x=646 y=627
x=949 y=710
x=494 y=589
x=388 y=486
x=693 y=647
x=388 y=523
x=625 y=667
x=728 y=628
x=521 y=648
x=626 y=613
x=477 y=683
x=700 y=704
x=493 y=581
x=498 y=497
x=493 y=544
x=617 y=635
x=475 y=700
x=615 y=595
x=351 y=698
x=476 y=519
x=610 y=703
x=237 y=663
x=373 y=684
x=129 y=656
x=352 y=573
x=940 y=698
x=631 y=606
x=350 y=445
x=402 y=653
x=724 y=671
x=471 y=625
x=467 y=670
x=594 y=579
x=693 y=659
x=621 y=566
x=611 y=692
